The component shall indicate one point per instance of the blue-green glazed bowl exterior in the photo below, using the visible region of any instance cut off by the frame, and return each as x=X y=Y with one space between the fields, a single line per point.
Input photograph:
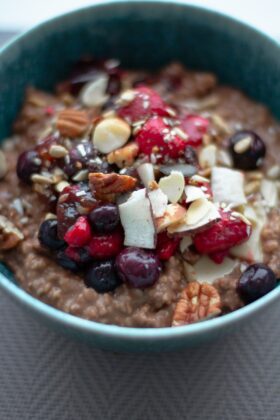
x=142 y=34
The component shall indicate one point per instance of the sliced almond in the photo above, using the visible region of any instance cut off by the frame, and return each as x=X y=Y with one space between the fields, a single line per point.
x=173 y=186
x=206 y=271
x=224 y=158
x=251 y=250
x=174 y=214
x=193 y=193
x=183 y=228
x=94 y=93
x=146 y=173
x=198 y=179
x=208 y=156
x=111 y=134
x=197 y=210
x=61 y=185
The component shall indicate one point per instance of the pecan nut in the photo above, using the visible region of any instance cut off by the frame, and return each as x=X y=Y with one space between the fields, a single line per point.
x=125 y=156
x=72 y=122
x=106 y=186
x=10 y=235
x=198 y=301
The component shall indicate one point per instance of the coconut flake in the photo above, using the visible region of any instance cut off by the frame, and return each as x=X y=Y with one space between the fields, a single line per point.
x=146 y=173
x=228 y=186
x=269 y=192
x=158 y=201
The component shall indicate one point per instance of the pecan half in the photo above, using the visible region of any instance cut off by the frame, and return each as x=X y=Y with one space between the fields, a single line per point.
x=106 y=186
x=10 y=235
x=198 y=301
x=72 y=122
x=125 y=156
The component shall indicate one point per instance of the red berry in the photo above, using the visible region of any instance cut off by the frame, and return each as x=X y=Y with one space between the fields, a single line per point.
x=195 y=126
x=106 y=245
x=146 y=102
x=80 y=233
x=166 y=247
x=224 y=234
x=219 y=256
x=157 y=137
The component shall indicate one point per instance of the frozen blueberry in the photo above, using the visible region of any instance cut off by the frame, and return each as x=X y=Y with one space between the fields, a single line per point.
x=28 y=163
x=79 y=158
x=48 y=235
x=137 y=267
x=104 y=218
x=247 y=150
x=256 y=281
x=64 y=261
x=79 y=255
x=102 y=276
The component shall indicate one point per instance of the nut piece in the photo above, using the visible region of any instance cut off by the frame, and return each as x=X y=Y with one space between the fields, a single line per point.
x=111 y=134
x=197 y=302
x=56 y=151
x=10 y=235
x=94 y=93
x=3 y=165
x=106 y=186
x=72 y=122
x=125 y=156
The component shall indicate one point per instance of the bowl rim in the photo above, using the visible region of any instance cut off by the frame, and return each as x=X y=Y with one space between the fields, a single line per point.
x=133 y=333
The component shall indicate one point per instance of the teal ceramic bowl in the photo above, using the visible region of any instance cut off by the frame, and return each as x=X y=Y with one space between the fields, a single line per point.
x=146 y=34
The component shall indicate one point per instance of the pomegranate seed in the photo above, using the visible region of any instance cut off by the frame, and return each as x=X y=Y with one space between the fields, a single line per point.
x=106 y=245
x=166 y=247
x=79 y=234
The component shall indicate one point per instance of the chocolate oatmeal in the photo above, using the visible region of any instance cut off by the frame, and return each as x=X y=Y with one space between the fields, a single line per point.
x=139 y=199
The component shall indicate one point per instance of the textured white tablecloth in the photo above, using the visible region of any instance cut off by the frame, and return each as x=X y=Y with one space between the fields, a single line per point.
x=44 y=376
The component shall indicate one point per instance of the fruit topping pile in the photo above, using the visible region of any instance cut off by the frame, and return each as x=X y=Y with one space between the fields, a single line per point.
x=131 y=180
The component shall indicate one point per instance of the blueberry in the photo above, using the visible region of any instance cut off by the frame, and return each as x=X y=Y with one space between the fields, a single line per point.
x=104 y=218
x=79 y=158
x=137 y=267
x=28 y=164
x=190 y=156
x=64 y=261
x=102 y=277
x=256 y=281
x=48 y=235
x=247 y=150
x=79 y=255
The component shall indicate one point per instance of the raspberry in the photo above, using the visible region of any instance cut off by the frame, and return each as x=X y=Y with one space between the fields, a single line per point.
x=223 y=235
x=104 y=246
x=219 y=256
x=146 y=102
x=79 y=234
x=166 y=247
x=158 y=138
x=195 y=126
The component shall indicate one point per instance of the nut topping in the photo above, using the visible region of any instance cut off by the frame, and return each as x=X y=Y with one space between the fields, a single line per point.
x=111 y=134
x=10 y=235
x=125 y=156
x=197 y=302
x=72 y=122
x=106 y=186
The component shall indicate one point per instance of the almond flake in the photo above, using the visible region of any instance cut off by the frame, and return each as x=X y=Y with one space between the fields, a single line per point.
x=242 y=145
x=173 y=186
x=194 y=193
x=61 y=185
x=185 y=243
x=269 y=192
x=208 y=156
x=173 y=215
x=207 y=271
x=197 y=210
x=94 y=93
